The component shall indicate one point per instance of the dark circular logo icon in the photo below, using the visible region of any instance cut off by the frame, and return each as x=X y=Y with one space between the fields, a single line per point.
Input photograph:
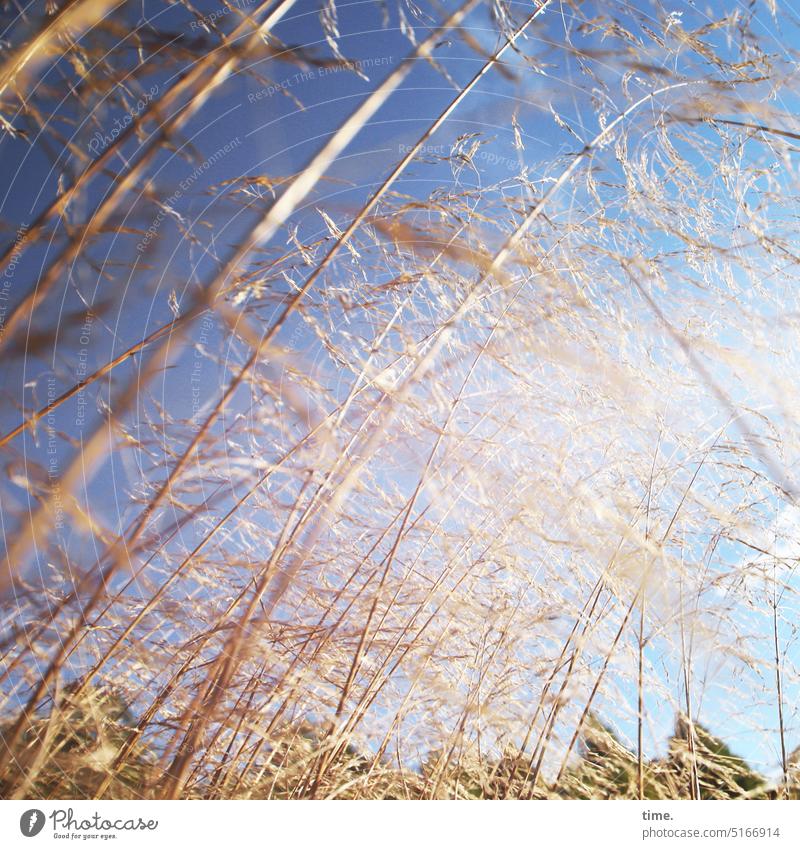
x=31 y=822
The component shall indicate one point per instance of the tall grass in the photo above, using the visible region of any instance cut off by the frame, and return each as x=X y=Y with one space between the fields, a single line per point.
x=398 y=401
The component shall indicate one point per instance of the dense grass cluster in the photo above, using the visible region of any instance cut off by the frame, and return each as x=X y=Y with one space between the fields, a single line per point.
x=90 y=732
x=389 y=391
